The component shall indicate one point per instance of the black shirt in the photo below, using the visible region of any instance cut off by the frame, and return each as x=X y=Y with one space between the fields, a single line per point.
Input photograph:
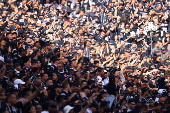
x=127 y=12
x=126 y=35
x=135 y=27
x=66 y=94
x=161 y=83
x=119 y=12
x=17 y=108
x=140 y=43
x=63 y=76
x=33 y=78
x=5 y=82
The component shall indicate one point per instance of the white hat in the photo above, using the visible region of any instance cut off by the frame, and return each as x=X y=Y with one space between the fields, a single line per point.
x=92 y=3
x=67 y=109
x=105 y=71
x=39 y=22
x=18 y=81
x=112 y=47
x=1 y=58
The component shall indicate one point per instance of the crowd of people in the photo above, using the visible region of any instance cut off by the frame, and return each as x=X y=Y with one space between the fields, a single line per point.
x=84 y=56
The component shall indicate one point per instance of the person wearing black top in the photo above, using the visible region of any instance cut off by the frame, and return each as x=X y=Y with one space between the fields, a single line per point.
x=62 y=72
x=16 y=107
x=120 y=9
x=85 y=5
x=34 y=74
x=56 y=78
x=140 y=38
x=66 y=89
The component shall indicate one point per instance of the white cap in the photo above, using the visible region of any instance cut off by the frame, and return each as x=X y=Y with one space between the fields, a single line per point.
x=132 y=33
x=67 y=109
x=18 y=81
x=112 y=47
x=1 y=58
x=39 y=22
x=92 y=3
x=21 y=20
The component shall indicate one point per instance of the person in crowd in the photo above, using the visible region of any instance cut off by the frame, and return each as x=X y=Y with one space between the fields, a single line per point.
x=84 y=56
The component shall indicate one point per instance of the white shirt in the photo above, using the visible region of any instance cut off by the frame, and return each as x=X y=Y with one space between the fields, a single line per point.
x=88 y=110
x=16 y=71
x=99 y=79
x=106 y=81
x=44 y=111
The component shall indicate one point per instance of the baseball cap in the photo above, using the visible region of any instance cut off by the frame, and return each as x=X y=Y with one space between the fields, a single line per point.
x=145 y=89
x=56 y=50
x=16 y=64
x=104 y=103
x=105 y=71
x=103 y=92
x=94 y=104
x=8 y=68
x=74 y=53
x=93 y=86
x=53 y=104
x=67 y=109
x=55 y=59
x=128 y=84
x=61 y=33
x=18 y=81
x=72 y=59
x=86 y=87
x=8 y=60
x=99 y=68
x=57 y=86
x=157 y=104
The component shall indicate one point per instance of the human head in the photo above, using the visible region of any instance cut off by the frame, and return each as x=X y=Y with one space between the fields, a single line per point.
x=49 y=82
x=44 y=77
x=11 y=99
x=60 y=66
x=66 y=86
x=131 y=104
x=38 y=108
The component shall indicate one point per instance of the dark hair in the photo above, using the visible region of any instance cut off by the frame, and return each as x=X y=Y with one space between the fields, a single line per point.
x=83 y=81
x=51 y=96
x=86 y=43
x=25 y=91
x=155 y=55
x=59 y=81
x=73 y=84
x=38 y=104
x=2 y=90
x=48 y=80
x=111 y=86
x=144 y=106
x=21 y=75
x=42 y=75
x=60 y=63
x=26 y=79
x=108 y=110
x=131 y=100
x=27 y=109
x=76 y=79
x=65 y=84
x=8 y=96
x=60 y=98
